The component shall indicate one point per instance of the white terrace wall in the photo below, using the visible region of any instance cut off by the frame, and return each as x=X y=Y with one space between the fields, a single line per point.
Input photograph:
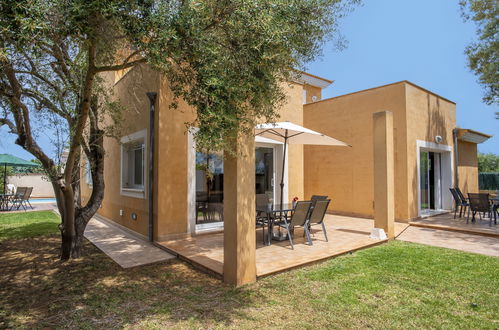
x=41 y=186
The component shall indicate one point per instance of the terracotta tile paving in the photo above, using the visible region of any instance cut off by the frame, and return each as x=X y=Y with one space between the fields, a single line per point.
x=452 y=240
x=345 y=234
x=447 y=222
x=124 y=248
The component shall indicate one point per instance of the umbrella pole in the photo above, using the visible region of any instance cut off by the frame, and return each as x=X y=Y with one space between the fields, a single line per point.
x=5 y=179
x=283 y=167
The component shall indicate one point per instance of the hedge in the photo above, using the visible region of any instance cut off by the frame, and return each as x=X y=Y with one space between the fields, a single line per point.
x=488 y=181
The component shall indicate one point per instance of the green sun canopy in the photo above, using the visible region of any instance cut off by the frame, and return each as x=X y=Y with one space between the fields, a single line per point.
x=9 y=160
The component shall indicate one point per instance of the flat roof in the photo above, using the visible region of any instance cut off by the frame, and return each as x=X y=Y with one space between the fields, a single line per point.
x=313 y=80
x=469 y=135
x=387 y=85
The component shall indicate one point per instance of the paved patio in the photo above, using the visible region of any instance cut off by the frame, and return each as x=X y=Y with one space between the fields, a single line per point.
x=447 y=222
x=124 y=248
x=36 y=207
x=345 y=234
x=452 y=240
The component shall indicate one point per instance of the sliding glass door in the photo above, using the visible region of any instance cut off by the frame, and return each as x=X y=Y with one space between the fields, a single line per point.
x=209 y=187
x=264 y=171
x=424 y=177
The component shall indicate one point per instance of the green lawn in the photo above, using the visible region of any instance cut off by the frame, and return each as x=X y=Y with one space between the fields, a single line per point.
x=394 y=285
x=28 y=224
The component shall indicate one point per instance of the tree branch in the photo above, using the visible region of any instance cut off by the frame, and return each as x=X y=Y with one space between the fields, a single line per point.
x=122 y=66
x=10 y=125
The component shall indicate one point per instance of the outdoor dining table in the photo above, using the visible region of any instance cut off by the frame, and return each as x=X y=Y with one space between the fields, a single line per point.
x=270 y=210
x=4 y=201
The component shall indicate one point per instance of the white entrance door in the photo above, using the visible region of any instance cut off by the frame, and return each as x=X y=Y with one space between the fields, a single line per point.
x=435 y=177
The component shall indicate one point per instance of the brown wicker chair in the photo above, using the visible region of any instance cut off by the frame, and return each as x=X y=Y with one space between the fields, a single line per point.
x=479 y=203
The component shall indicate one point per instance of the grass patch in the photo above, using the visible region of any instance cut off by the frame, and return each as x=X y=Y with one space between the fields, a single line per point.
x=28 y=224
x=395 y=285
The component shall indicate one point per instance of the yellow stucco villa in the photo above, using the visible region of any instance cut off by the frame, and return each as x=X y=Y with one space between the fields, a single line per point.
x=190 y=188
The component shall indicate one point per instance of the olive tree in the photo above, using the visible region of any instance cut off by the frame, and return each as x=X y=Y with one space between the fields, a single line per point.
x=483 y=54
x=229 y=59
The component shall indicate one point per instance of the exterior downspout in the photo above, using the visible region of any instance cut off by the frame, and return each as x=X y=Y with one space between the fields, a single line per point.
x=456 y=164
x=152 y=104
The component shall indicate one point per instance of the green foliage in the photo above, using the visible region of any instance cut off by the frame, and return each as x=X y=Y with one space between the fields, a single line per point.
x=488 y=181
x=488 y=162
x=483 y=54
x=4 y=172
x=229 y=59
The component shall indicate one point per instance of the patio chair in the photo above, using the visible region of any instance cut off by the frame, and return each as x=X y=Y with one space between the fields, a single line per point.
x=24 y=200
x=18 y=198
x=479 y=203
x=298 y=219
x=317 y=216
x=459 y=202
x=316 y=198
x=461 y=195
x=262 y=217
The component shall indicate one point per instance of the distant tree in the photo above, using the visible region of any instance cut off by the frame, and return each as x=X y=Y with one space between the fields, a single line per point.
x=488 y=162
x=229 y=59
x=4 y=172
x=483 y=55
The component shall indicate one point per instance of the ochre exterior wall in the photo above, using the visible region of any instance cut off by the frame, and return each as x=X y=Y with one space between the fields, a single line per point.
x=292 y=111
x=130 y=90
x=428 y=115
x=345 y=174
x=311 y=92
x=171 y=183
x=467 y=167
x=171 y=154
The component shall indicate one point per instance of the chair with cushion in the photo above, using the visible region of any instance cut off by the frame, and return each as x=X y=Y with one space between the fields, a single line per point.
x=298 y=219
x=318 y=214
x=479 y=203
x=459 y=202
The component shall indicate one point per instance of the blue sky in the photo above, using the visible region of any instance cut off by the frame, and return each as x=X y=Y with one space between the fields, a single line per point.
x=421 y=41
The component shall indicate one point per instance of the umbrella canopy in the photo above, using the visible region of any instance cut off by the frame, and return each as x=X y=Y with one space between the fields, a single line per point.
x=261 y=139
x=289 y=133
x=9 y=160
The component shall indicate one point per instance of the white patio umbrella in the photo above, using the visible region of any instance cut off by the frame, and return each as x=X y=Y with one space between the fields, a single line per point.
x=289 y=133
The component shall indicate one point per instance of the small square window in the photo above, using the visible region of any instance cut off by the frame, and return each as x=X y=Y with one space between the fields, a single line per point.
x=133 y=164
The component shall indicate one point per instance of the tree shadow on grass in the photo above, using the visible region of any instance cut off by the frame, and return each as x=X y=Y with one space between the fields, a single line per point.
x=39 y=290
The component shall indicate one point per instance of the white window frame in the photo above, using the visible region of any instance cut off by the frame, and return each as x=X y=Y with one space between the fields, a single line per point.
x=134 y=192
